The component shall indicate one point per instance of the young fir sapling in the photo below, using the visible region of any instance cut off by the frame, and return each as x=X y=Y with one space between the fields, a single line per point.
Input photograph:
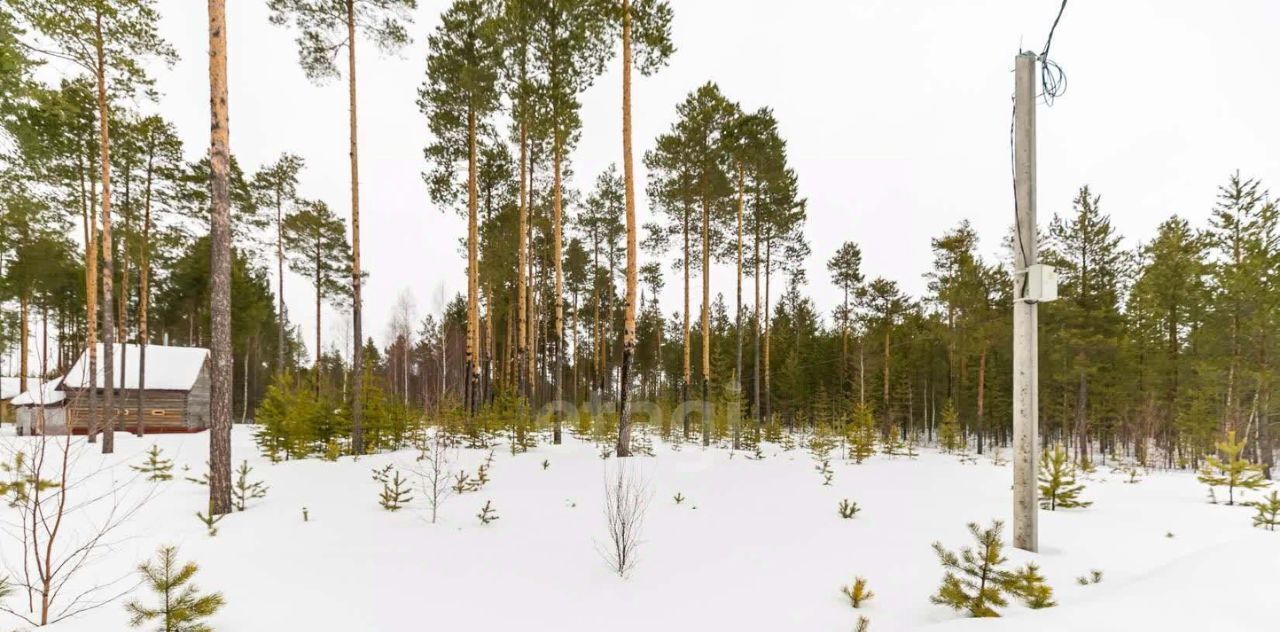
x=245 y=490
x=857 y=592
x=156 y=467
x=395 y=492
x=487 y=513
x=1058 y=486
x=1268 y=512
x=848 y=509
x=210 y=520
x=182 y=607
x=976 y=582
x=1232 y=471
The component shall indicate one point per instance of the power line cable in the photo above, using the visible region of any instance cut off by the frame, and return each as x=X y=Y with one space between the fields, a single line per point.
x=1053 y=84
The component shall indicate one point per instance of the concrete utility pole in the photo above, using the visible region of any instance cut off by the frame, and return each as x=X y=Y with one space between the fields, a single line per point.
x=1026 y=384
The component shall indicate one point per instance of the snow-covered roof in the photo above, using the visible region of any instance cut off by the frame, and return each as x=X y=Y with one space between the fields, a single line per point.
x=45 y=394
x=11 y=386
x=168 y=368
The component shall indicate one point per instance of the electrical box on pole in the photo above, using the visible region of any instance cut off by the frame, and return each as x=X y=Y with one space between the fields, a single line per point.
x=1039 y=284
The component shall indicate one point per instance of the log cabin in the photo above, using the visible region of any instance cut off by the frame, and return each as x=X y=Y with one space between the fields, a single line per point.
x=174 y=389
x=41 y=410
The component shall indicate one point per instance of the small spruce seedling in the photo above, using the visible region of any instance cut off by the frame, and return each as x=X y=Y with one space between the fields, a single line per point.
x=21 y=482
x=182 y=605
x=857 y=592
x=1094 y=577
x=1029 y=586
x=1268 y=516
x=1058 y=486
x=395 y=492
x=156 y=467
x=211 y=520
x=245 y=490
x=848 y=509
x=487 y=513
x=1232 y=471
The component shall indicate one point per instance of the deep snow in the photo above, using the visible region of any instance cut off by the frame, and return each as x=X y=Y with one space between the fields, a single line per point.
x=757 y=545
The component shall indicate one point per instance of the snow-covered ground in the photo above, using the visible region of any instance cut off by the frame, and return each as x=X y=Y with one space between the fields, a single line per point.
x=756 y=545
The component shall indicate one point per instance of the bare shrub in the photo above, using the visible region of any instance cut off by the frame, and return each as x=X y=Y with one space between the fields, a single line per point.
x=66 y=516
x=434 y=469
x=626 y=500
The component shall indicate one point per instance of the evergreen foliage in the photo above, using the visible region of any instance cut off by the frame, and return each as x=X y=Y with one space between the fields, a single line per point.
x=298 y=419
x=824 y=468
x=1134 y=476
x=970 y=583
x=949 y=436
x=847 y=509
x=244 y=490
x=487 y=513
x=1058 y=486
x=210 y=520
x=395 y=492
x=857 y=592
x=22 y=481
x=204 y=478
x=861 y=434
x=182 y=608
x=1094 y=577
x=1231 y=470
x=1028 y=585
x=893 y=444
x=976 y=582
x=1268 y=512
x=156 y=468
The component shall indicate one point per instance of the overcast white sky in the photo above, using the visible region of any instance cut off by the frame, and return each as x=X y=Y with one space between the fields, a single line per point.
x=896 y=112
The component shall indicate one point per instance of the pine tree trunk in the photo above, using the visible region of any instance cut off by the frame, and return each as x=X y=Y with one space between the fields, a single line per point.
x=280 y=284
x=844 y=342
x=686 y=370
x=888 y=328
x=1082 y=441
x=108 y=270
x=557 y=344
x=522 y=261
x=89 y=210
x=122 y=296
x=737 y=314
x=755 y=327
x=982 y=399
x=357 y=302
x=473 y=303
x=244 y=389
x=24 y=306
x=319 y=299
x=629 y=318
x=220 y=257
x=144 y=292
x=576 y=356
x=768 y=269
x=706 y=322
x=44 y=345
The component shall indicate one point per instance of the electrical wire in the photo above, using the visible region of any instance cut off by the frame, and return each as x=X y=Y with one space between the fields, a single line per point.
x=1053 y=84
x=1053 y=80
